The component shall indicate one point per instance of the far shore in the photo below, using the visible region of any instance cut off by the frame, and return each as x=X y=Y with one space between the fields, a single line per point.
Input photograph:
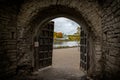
x=62 y=47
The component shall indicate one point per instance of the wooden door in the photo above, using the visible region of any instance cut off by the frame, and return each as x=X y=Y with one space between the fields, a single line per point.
x=84 y=50
x=43 y=57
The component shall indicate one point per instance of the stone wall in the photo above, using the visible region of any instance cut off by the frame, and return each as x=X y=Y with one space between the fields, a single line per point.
x=111 y=39
x=18 y=25
x=8 y=41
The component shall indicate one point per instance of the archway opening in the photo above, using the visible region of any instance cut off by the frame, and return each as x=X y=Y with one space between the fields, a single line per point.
x=66 y=45
x=59 y=47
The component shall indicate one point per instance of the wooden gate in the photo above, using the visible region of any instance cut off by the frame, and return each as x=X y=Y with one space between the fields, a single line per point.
x=44 y=46
x=84 y=50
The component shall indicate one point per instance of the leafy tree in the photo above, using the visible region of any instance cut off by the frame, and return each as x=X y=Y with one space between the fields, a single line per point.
x=58 y=35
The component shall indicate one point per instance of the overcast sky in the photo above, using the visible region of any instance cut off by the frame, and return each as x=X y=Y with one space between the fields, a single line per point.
x=65 y=25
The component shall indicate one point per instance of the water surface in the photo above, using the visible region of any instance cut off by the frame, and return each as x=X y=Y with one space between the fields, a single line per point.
x=65 y=44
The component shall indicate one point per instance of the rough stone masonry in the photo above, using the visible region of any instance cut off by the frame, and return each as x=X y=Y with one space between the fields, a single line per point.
x=21 y=20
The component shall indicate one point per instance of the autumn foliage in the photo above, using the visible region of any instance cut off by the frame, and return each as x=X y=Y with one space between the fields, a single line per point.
x=58 y=35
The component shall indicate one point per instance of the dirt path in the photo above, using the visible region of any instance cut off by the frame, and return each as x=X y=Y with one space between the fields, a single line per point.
x=65 y=66
x=66 y=58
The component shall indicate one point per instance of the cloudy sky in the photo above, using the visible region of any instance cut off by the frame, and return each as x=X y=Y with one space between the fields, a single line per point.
x=65 y=25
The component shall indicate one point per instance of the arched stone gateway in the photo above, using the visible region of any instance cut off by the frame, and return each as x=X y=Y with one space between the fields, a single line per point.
x=99 y=21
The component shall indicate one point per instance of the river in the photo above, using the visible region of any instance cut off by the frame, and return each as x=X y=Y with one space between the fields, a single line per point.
x=65 y=44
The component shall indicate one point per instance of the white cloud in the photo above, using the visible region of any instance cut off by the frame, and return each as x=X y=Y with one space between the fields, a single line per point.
x=65 y=25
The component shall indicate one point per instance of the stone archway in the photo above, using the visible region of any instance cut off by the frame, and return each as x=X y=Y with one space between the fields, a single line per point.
x=101 y=16
x=32 y=28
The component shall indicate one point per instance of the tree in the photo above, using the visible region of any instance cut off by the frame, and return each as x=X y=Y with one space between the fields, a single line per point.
x=55 y=35
x=58 y=35
x=75 y=36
